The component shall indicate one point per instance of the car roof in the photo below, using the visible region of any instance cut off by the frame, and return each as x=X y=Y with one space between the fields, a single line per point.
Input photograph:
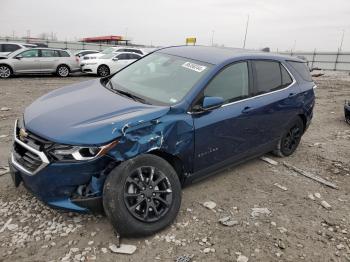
x=218 y=55
x=14 y=43
x=122 y=52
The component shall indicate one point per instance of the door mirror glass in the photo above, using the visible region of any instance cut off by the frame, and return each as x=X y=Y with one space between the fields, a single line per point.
x=212 y=102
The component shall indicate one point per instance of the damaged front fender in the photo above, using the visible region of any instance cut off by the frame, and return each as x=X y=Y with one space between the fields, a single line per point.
x=172 y=134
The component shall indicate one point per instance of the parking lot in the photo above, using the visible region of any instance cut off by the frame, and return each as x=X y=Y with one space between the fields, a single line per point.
x=296 y=227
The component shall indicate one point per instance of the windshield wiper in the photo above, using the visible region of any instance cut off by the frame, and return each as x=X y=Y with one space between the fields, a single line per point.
x=125 y=93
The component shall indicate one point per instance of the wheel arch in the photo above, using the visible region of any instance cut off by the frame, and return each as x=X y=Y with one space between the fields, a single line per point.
x=303 y=118
x=63 y=64
x=104 y=65
x=174 y=161
x=12 y=71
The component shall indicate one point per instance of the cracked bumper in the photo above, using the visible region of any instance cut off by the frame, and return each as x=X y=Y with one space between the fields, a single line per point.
x=57 y=183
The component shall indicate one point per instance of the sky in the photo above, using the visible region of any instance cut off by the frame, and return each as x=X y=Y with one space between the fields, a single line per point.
x=301 y=25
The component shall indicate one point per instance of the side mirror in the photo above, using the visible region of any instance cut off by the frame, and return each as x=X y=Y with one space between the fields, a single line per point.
x=19 y=57
x=212 y=102
x=115 y=59
x=209 y=103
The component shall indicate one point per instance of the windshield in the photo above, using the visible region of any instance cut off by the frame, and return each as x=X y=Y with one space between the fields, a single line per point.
x=108 y=51
x=160 y=78
x=109 y=56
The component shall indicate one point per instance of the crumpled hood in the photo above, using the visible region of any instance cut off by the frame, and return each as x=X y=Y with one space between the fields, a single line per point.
x=86 y=114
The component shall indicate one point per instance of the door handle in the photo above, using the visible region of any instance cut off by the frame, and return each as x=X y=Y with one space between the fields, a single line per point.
x=247 y=109
x=291 y=94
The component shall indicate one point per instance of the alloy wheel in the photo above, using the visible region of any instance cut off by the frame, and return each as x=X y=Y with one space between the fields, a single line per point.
x=63 y=71
x=147 y=194
x=292 y=139
x=103 y=71
x=5 y=72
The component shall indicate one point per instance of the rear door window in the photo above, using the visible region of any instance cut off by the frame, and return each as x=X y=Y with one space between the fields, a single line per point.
x=123 y=56
x=302 y=70
x=232 y=83
x=270 y=76
x=134 y=56
x=286 y=78
x=49 y=53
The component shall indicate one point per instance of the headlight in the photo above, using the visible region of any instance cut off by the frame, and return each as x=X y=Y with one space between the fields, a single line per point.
x=66 y=152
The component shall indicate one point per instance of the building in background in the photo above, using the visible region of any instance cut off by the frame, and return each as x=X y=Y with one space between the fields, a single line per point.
x=110 y=40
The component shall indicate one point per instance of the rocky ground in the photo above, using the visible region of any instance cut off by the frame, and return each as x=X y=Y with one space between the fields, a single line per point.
x=260 y=211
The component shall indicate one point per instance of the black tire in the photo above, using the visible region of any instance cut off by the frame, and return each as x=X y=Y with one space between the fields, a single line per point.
x=290 y=139
x=62 y=71
x=5 y=71
x=103 y=71
x=127 y=210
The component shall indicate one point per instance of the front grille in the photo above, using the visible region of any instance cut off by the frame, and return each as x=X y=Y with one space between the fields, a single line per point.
x=28 y=150
x=26 y=158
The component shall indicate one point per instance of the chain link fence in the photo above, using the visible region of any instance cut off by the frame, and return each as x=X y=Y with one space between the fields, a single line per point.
x=338 y=61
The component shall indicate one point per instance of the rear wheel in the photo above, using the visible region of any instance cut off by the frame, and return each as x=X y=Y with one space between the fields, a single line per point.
x=62 y=71
x=103 y=70
x=290 y=139
x=142 y=196
x=5 y=71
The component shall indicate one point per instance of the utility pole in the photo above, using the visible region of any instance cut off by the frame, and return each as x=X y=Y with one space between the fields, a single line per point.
x=341 y=41
x=246 y=32
x=212 y=37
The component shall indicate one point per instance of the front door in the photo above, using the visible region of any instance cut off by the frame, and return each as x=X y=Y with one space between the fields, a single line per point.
x=27 y=62
x=226 y=133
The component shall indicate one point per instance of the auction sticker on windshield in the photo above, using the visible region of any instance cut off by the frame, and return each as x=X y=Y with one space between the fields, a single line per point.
x=194 y=67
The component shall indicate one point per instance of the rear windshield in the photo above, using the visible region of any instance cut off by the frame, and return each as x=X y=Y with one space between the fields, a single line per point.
x=302 y=70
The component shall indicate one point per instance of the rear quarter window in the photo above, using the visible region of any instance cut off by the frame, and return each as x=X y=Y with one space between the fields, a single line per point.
x=270 y=76
x=64 y=54
x=301 y=69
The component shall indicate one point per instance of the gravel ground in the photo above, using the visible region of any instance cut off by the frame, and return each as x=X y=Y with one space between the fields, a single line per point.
x=270 y=212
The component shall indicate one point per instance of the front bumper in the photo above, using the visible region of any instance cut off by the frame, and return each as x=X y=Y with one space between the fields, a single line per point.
x=57 y=183
x=89 y=69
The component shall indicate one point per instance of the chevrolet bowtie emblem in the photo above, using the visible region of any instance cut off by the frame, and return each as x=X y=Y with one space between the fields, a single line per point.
x=22 y=134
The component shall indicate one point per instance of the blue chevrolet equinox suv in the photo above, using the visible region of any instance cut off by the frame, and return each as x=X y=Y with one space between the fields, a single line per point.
x=127 y=143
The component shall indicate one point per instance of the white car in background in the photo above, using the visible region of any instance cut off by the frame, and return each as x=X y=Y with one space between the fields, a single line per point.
x=81 y=53
x=111 y=50
x=108 y=64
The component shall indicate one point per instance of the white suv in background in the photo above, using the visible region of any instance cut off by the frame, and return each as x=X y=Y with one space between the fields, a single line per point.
x=8 y=47
x=108 y=64
x=111 y=50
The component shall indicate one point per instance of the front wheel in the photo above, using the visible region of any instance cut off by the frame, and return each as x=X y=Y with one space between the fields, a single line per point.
x=62 y=71
x=142 y=196
x=5 y=71
x=290 y=139
x=103 y=71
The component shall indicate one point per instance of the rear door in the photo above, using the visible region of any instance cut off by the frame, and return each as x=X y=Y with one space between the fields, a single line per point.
x=48 y=60
x=27 y=62
x=274 y=100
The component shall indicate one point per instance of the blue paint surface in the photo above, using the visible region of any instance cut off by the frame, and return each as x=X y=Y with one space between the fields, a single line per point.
x=87 y=114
